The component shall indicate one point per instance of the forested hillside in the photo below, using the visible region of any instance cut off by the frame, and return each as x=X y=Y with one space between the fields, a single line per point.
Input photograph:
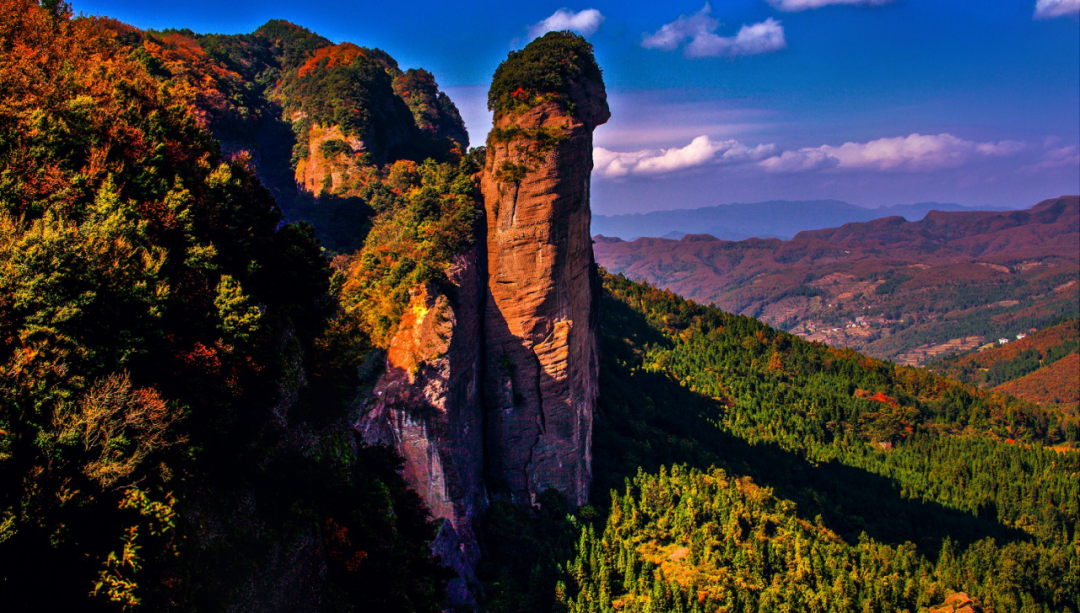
x=743 y=469
x=331 y=118
x=909 y=470
x=176 y=374
x=1040 y=367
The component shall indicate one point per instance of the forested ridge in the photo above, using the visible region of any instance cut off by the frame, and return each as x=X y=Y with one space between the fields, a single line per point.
x=334 y=117
x=1040 y=367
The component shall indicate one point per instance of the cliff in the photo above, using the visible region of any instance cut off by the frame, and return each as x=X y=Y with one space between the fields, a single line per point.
x=491 y=377
x=540 y=322
x=426 y=406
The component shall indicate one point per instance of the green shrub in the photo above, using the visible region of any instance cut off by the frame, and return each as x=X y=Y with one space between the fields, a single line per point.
x=510 y=172
x=542 y=71
x=334 y=147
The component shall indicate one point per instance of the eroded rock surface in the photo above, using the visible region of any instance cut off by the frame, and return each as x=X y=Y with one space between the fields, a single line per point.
x=490 y=385
x=540 y=323
x=328 y=171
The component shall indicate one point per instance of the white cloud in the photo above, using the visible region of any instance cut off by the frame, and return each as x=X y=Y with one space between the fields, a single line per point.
x=916 y=152
x=584 y=22
x=802 y=5
x=700 y=29
x=799 y=161
x=1048 y=9
x=701 y=151
x=1061 y=157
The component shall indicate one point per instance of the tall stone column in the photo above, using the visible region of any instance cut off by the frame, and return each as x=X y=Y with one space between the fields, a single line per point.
x=541 y=314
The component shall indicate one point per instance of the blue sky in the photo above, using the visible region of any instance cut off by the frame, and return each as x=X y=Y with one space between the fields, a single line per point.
x=871 y=101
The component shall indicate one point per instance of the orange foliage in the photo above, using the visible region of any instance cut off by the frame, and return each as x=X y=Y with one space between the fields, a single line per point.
x=878 y=397
x=49 y=105
x=340 y=546
x=403 y=176
x=121 y=424
x=200 y=80
x=203 y=359
x=1058 y=383
x=331 y=57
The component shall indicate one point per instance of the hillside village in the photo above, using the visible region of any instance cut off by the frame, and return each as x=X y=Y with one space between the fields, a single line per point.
x=869 y=328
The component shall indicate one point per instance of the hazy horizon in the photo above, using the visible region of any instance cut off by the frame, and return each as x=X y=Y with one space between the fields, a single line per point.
x=987 y=207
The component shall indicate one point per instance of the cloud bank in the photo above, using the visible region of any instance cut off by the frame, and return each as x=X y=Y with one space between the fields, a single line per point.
x=802 y=5
x=1048 y=9
x=701 y=151
x=1061 y=157
x=585 y=22
x=913 y=153
x=700 y=30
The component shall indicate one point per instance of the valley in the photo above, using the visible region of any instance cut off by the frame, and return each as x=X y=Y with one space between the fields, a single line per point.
x=904 y=291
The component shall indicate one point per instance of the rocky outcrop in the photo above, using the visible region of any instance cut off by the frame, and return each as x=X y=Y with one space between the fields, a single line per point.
x=332 y=160
x=427 y=406
x=491 y=384
x=540 y=324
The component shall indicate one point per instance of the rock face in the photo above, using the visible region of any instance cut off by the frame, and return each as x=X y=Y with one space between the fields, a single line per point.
x=427 y=406
x=323 y=170
x=490 y=385
x=540 y=324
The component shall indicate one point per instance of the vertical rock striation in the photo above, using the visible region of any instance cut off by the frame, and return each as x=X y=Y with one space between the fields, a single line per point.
x=540 y=322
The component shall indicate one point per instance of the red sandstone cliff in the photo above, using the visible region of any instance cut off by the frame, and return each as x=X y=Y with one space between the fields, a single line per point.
x=491 y=384
x=540 y=322
x=329 y=171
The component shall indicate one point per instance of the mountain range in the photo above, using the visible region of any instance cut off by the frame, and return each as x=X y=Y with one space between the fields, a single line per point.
x=773 y=219
x=896 y=289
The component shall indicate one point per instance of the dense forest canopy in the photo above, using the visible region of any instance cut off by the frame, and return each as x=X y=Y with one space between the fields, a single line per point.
x=175 y=373
x=876 y=453
x=739 y=468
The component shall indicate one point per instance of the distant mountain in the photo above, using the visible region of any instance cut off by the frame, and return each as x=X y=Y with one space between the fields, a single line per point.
x=774 y=219
x=896 y=289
